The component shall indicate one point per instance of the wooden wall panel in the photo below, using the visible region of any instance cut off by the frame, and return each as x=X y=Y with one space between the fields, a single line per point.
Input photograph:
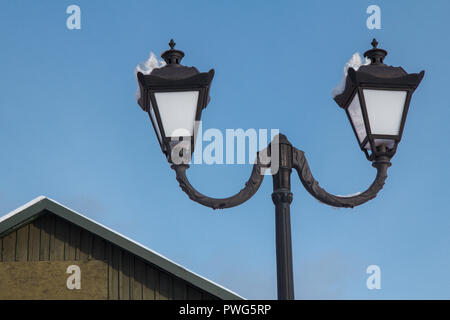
x=113 y=273
x=58 y=240
x=151 y=281
x=193 y=294
x=98 y=248
x=9 y=247
x=22 y=243
x=179 y=289
x=34 y=240
x=124 y=276
x=85 y=245
x=165 y=286
x=72 y=247
x=50 y=238
x=138 y=279
x=47 y=227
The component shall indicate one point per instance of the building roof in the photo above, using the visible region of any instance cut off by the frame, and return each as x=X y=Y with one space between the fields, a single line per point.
x=30 y=211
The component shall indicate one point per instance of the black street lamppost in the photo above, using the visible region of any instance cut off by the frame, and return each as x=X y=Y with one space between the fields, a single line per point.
x=376 y=99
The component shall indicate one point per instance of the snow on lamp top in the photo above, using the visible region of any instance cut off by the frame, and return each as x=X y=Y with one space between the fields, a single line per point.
x=354 y=62
x=146 y=68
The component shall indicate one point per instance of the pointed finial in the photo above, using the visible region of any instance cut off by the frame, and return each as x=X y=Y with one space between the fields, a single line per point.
x=172 y=56
x=172 y=44
x=374 y=43
x=376 y=55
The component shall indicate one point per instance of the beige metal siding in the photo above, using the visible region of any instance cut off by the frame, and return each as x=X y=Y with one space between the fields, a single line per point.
x=50 y=238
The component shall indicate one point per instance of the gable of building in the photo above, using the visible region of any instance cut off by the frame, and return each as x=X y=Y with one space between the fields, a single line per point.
x=44 y=231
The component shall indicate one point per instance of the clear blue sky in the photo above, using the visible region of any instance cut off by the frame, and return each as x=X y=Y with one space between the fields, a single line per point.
x=70 y=129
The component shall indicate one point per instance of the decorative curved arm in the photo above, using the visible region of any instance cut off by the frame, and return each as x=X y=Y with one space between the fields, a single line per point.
x=301 y=165
x=251 y=186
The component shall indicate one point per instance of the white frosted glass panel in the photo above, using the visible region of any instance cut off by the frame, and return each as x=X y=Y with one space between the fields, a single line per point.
x=354 y=110
x=385 y=110
x=177 y=111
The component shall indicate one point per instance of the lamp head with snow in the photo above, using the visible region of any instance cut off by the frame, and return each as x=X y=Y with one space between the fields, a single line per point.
x=174 y=97
x=376 y=98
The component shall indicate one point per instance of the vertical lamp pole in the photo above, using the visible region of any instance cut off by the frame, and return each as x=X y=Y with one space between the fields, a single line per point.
x=282 y=198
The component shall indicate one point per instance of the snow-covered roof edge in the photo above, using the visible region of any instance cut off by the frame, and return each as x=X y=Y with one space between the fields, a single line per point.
x=29 y=211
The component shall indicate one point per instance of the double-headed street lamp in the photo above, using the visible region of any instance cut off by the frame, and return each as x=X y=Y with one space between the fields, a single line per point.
x=376 y=99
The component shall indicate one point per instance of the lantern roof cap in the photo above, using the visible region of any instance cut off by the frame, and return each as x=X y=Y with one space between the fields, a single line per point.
x=174 y=70
x=377 y=74
x=172 y=75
